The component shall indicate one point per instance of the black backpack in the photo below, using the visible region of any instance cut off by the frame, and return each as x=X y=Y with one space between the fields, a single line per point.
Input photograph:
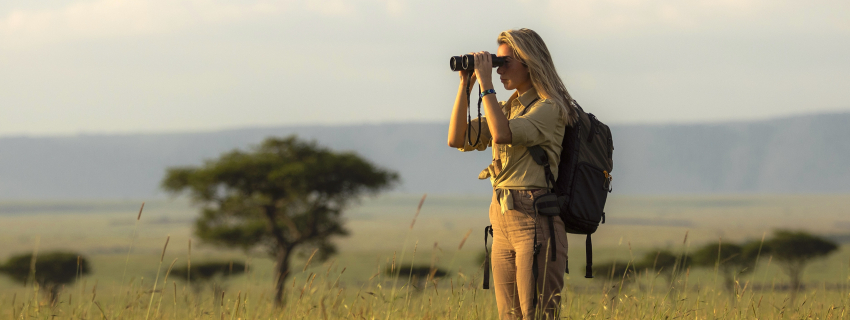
x=584 y=177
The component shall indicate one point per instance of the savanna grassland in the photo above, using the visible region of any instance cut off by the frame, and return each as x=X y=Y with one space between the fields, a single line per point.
x=131 y=279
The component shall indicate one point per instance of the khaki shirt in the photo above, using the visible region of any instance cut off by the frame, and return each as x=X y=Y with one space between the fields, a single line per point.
x=513 y=166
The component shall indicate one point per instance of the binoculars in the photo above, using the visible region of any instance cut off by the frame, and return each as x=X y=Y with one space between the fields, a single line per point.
x=467 y=62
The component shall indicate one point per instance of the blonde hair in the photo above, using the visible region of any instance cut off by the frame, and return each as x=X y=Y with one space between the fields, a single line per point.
x=532 y=52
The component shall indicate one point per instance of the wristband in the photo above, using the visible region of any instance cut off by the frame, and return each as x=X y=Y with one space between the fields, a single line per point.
x=486 y=92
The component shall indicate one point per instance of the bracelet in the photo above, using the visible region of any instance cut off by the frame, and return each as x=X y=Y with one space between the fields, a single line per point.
x=486 y=92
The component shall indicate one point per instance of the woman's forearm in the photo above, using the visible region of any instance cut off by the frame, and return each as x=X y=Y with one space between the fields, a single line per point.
x=496 y=119
x=457 y=123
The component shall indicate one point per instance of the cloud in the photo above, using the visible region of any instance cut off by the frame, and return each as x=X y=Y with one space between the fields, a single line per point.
x=102 y=65
x=115 y=18
x=584 y=18
x=629 y=17
x=110 y=18
x=396 y=8
x=331 y=7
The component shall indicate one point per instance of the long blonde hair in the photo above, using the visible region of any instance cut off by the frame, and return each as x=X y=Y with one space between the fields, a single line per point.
x=532 y=52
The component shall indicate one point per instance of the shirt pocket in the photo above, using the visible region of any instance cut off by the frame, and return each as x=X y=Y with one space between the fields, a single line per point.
x=503 y=154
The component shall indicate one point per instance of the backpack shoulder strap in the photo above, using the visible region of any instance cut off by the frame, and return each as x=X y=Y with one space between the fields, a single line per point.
x=542 y=159
x=539 y=155
x=524 y=111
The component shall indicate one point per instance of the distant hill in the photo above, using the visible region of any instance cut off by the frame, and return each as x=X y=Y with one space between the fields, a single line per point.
x=804 y=154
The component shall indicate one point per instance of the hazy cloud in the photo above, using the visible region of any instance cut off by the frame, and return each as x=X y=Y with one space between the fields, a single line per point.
x=112 y=18
x=122 y=65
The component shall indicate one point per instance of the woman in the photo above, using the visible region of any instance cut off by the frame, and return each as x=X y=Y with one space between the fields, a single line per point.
x=535 y=114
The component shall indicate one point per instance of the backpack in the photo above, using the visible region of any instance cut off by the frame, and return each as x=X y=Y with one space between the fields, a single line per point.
x=584 y=178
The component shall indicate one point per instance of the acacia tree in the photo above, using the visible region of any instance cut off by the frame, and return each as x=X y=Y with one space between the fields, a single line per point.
x=730 y=260
x=283 y=196
x=793 y=250
x=52 y=270
x=419 y=275
x=206 y=272
x=213 y=273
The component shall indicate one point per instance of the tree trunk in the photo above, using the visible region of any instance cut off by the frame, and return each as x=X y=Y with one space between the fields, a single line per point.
x=729 y=281
x=281 y=273
x=217 y=290
x=284 y=248
x=52 y=293
x=795 y=283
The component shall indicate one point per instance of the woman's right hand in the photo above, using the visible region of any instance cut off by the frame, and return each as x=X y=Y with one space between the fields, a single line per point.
x=467 y=77
x=464 y=76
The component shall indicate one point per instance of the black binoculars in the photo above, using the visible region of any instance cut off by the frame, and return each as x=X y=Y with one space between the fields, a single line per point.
x=467 y=62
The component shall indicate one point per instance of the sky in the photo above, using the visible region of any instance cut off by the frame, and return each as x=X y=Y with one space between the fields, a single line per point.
x=126 y=66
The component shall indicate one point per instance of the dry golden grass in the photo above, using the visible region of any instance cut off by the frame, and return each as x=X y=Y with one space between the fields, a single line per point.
x=136 y=285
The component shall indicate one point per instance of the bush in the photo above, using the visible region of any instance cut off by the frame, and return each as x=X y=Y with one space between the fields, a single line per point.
x=52 y=270
x=793 y=250
x=730 y=260
x=420 y=274
x=206 y=271
x=666 y=263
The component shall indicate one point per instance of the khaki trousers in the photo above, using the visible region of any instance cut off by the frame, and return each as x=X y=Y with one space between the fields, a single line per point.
x=513 y=253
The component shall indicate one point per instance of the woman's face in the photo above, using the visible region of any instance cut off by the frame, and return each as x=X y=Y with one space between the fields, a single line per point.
x=513 y=74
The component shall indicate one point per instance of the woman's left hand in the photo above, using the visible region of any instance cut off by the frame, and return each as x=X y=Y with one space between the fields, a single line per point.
x=484 y=69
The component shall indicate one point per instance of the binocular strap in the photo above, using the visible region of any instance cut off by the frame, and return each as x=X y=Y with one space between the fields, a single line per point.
x=486 y=285
x=469 y=115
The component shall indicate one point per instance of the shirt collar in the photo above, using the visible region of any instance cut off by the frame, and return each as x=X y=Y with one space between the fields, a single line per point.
x=528 y=97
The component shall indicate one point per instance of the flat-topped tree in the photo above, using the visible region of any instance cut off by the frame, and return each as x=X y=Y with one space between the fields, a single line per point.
x=793 y=250
x=730 y=260
x=52 y=270
x=419 y=275
x=283 y=195
x=205 y=272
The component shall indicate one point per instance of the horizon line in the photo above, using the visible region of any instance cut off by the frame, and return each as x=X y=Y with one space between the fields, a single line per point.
x=361 y=124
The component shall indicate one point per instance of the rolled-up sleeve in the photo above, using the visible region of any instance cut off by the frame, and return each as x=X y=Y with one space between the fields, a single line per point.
x=530 y=129
x=483 y=142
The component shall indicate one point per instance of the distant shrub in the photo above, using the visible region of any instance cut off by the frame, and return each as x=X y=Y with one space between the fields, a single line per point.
x=420 y=274
x=615 y=271
x=666 y=263
x=206 y=271
x=730 y=259
x=793 y=250
x=52 y=270
x=213 y=272
x=416 y=270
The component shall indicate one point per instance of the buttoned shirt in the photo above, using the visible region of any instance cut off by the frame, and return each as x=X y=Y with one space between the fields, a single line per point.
x=512 y=166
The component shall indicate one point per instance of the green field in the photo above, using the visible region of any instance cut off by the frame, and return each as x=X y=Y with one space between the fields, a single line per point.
x=121 y=283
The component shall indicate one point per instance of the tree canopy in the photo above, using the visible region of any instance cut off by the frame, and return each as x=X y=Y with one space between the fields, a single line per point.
x=206 y=271
x=730 y=259
x=283 y=195
x=793 y=250
x=52 y=269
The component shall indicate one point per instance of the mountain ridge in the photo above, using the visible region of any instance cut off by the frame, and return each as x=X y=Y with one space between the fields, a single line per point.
x=795 y=154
